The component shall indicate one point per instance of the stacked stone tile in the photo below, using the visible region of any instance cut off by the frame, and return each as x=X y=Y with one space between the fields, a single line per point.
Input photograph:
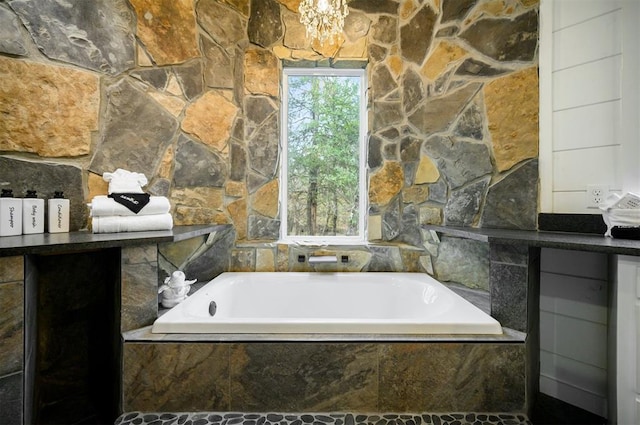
x=187 y=92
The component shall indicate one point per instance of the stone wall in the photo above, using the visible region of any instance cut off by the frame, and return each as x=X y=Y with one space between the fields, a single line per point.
x=187 y=92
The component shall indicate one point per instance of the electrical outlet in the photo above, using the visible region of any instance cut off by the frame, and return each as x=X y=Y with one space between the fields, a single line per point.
x=596 y=194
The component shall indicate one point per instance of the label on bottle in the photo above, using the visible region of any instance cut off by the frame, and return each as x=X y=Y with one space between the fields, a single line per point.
x=58 y=215
x=10 y=217
x=32 y=215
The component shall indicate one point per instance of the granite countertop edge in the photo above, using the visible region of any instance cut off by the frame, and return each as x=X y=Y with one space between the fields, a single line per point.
x=51 y=243
x=544 y=239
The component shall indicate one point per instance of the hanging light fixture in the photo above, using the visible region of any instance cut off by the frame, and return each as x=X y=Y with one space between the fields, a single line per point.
x=323 y=19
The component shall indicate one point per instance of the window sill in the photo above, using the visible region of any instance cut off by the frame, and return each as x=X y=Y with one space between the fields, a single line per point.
x=323 y=242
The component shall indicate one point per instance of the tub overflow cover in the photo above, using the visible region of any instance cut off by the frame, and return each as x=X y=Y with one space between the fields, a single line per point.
x=213 y=307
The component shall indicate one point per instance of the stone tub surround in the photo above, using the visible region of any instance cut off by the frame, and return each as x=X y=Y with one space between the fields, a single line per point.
x=249 y=362
x=231 y=418
x=302 y=376
x=511 y=253
x=141 y=380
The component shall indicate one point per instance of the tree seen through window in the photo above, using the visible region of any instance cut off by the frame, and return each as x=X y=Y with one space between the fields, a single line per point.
x=323 y=155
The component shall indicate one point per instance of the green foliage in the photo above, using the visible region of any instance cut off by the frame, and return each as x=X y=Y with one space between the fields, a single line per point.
x=323 y=155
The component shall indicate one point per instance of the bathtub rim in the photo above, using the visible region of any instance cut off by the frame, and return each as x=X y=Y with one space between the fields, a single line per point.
x=144 y=334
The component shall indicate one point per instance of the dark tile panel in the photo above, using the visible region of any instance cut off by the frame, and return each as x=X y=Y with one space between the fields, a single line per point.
x=11 y=399
x=30 y=334
x=139 y=287
x=11 y=269
x=509 y=285
x=452 y=377
x=478 y=297
x=509 y=254
x=11 y=327
x=140 y=254
x=316 y=377
x=533 y=326
x=304 y=377
x=175 y=377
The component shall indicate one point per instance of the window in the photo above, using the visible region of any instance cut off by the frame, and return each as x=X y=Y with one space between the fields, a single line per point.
x=323 y=176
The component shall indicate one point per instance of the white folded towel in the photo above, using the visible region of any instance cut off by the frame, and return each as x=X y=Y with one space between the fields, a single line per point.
x=115 y=224
x=123 y=181
x=102 y=206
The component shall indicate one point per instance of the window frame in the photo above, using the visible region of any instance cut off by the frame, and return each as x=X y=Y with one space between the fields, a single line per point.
x=361 y=237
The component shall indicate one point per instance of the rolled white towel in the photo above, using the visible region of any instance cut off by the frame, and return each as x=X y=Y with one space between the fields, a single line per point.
x=123 y=181
x=103 y=206
x=116 y=224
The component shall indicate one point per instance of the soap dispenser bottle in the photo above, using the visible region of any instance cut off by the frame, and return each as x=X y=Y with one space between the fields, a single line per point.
x=58 y=213
x=10 y=214
x=32 y=213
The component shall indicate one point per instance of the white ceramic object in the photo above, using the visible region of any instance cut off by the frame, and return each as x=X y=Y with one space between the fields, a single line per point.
x=175 y=289
x=376 y=303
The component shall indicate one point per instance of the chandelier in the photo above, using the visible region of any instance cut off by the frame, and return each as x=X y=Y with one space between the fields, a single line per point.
x=323 y=19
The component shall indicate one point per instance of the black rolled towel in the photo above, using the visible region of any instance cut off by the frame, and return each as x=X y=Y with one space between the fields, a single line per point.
x=133 y=201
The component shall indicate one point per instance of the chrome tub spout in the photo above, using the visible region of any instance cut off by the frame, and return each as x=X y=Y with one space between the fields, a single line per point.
x=322 y=259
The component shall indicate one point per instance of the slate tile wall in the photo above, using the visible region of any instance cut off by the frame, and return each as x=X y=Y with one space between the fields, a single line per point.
x=11 y=338
x=321 y=377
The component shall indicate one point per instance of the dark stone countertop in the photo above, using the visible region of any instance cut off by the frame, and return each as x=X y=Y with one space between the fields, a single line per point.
x=544 y=239
x=52 y=243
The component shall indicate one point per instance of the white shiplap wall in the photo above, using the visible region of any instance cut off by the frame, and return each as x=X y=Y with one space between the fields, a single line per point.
x=586 y=63
x=580 y=65
x=573 y=328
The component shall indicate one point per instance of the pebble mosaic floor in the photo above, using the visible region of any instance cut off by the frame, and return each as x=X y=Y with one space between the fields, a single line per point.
x=206 y=418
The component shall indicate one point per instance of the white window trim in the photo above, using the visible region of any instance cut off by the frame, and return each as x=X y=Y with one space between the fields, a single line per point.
x=361 y=238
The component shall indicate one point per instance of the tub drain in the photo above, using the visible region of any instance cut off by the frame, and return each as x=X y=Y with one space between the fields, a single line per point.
x=213 y=307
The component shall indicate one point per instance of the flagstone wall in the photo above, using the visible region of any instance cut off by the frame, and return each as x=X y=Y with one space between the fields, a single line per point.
x=187 y=92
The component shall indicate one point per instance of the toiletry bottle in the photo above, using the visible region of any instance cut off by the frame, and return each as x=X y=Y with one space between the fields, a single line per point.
x=32 y=213
x=58 y=214
x=10 y=214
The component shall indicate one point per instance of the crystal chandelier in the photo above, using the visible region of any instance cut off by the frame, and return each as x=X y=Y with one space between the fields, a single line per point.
x=323 y=19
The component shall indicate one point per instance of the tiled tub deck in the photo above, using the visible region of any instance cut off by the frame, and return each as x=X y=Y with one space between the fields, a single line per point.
x=308 y=374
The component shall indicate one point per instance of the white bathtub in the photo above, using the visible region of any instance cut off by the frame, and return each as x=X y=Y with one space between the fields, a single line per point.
x=372 y=303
